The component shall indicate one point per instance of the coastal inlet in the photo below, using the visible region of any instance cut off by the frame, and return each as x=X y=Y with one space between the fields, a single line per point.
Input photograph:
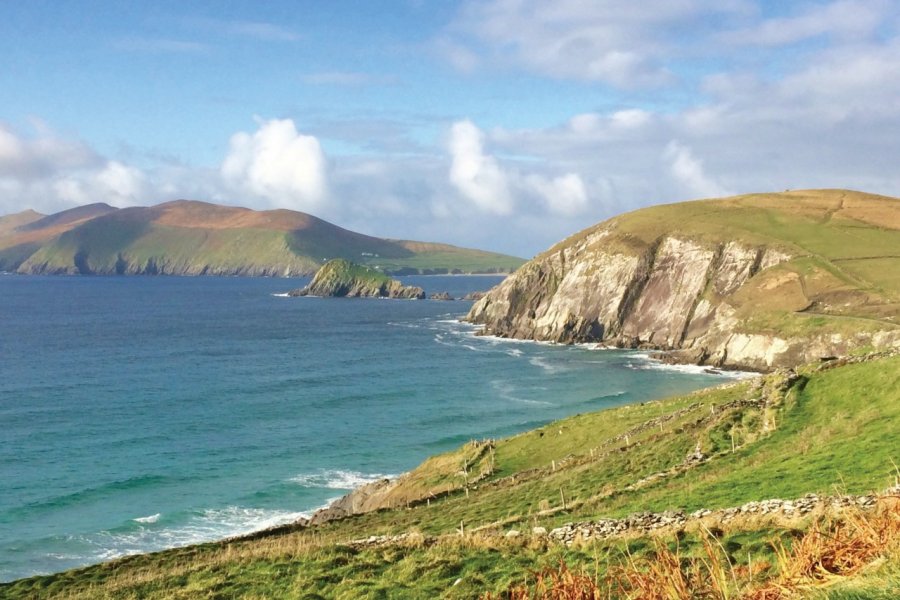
x=240 y=410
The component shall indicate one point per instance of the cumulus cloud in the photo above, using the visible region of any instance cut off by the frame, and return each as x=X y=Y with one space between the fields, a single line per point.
x=42 y=170
x=29 y=157
x=115 y=183
x=477 y=175
x=688 y=171
x=500 y=189
x=565 y=195
x=279 y=164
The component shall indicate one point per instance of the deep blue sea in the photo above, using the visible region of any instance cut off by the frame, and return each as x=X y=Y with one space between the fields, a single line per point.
x=140 y=413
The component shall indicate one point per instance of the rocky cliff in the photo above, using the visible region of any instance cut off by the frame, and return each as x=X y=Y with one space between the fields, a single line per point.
x=342 y=278
x=748 y=282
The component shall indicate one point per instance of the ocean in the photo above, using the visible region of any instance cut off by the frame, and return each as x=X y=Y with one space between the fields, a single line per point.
x=142 y=413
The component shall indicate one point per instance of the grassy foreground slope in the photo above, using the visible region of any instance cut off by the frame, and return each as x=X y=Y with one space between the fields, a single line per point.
x=825 y=429
x=198 y=238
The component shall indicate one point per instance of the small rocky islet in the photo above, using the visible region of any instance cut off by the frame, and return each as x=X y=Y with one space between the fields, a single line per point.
x=340 y=278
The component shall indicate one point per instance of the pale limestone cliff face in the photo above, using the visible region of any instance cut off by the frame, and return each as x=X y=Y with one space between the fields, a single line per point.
x=567 y=296
x=664 y=307
x=674 y=295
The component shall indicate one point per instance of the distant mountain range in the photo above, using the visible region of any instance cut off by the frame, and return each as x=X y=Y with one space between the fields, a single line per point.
x=187 y=237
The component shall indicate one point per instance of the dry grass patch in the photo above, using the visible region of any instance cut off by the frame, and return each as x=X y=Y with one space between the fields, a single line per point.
x=832 y=550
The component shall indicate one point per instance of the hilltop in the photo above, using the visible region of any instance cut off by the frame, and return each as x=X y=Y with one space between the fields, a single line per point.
x=197 y=238
x=756 y=281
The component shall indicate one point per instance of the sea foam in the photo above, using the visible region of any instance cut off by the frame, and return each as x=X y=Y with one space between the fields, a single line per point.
x=336 y=479
x=149 y=519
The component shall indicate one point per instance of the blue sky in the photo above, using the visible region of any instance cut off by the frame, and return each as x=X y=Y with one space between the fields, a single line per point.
x=502 y=124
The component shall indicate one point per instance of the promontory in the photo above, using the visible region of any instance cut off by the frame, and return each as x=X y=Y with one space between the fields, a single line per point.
x=756 y=281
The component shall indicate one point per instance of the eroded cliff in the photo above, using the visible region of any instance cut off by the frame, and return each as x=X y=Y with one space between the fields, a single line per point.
x=748 y=282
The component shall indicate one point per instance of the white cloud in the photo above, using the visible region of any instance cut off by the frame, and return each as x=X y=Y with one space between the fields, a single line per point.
x=624 y=44
x=29 y=157
x=47 y=172
x=255 y=30
x=500 y=189
x=286 y=168
x=630 y=118
x=585 y=123
x=125 y=184
x=564 y=195
x=115 y=183
x=476 y=175
x=688 y=172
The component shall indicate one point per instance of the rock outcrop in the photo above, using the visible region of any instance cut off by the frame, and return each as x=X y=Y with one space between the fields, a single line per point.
x=713 y=292
x=473 y=296
x=342 y=278
x=363 y=499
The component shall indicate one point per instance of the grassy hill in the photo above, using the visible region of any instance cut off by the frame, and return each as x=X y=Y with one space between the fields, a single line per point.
x=197 y=238
x=826 y=429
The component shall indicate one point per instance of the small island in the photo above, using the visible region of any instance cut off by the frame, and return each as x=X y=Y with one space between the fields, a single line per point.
x=340 y=278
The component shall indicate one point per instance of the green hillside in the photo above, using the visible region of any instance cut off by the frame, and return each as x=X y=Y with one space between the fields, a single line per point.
x=197 y=238
x=825 y=429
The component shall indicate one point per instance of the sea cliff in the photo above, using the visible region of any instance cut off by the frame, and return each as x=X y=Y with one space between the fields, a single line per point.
x=752 y=282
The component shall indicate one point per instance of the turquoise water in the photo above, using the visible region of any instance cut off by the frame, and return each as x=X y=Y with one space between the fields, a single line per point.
x=143 y=413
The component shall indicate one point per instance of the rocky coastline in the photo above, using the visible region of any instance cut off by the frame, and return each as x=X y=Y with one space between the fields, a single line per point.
x=716 y=296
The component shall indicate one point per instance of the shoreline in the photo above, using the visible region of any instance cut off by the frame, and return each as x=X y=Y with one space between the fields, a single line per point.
x=314 y=509
x=599 y=527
